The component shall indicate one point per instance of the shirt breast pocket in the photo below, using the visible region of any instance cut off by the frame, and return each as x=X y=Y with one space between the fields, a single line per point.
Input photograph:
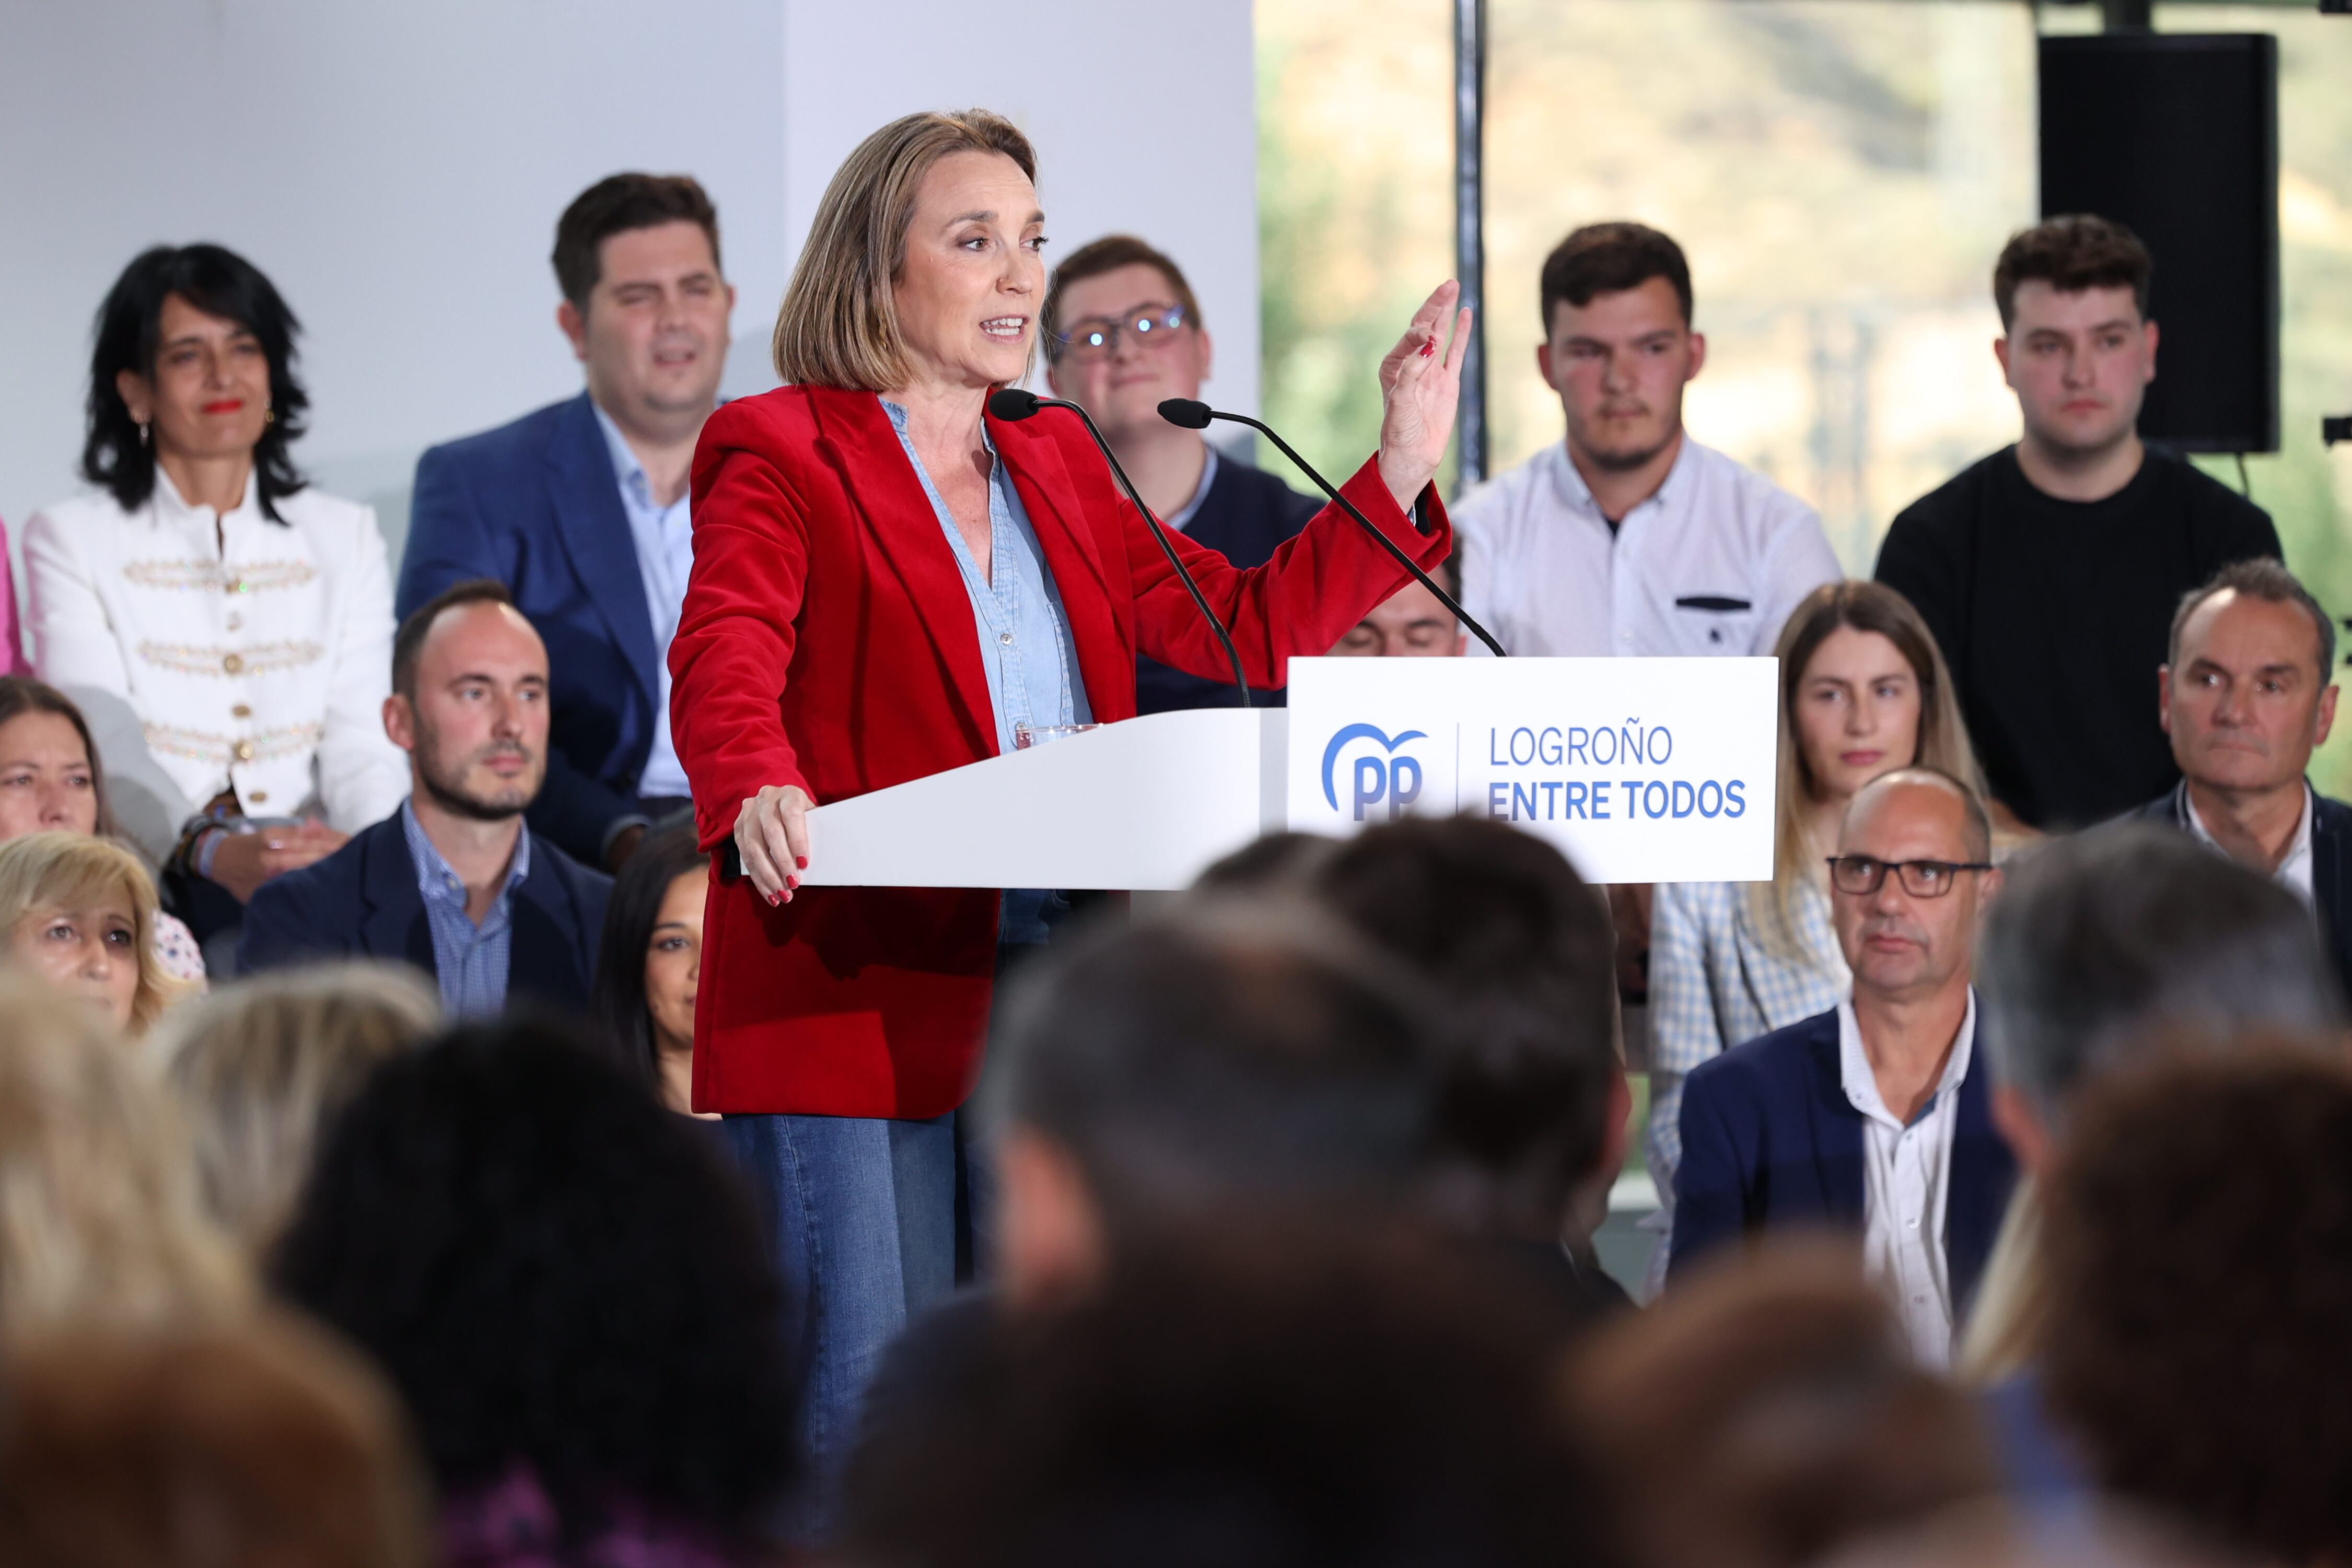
x=1713 y=623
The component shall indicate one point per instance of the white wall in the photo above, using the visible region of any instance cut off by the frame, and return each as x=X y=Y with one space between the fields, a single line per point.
x=398 y=170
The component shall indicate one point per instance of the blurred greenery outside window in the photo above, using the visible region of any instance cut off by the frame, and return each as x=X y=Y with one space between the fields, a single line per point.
x=1841 y=174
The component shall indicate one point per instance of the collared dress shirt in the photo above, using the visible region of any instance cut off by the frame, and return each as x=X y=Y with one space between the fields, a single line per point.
x=665 y=540
x=1025 y=635
x=2294 y=872
x=1711 y=565
x=256 y=654
x=1906 y=1184
x=471 y=962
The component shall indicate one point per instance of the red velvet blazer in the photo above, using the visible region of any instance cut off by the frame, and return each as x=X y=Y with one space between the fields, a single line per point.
x=827 y=641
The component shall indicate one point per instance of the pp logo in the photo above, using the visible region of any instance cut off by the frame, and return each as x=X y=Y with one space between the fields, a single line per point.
x=1385 y=777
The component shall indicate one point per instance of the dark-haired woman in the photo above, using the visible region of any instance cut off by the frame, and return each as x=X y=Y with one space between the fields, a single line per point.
x=651 y=960
x=571 y=1290
x=245 y=618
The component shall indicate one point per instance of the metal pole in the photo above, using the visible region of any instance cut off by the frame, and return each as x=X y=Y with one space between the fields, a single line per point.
x=1469 y=234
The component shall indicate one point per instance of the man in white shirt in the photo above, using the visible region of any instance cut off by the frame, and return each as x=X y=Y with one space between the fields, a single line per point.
x=2247 y=695
x=1630 y=538
x=1875 y=1116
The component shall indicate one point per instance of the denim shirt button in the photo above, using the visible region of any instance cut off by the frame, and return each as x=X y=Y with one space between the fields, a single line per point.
x=1005 y=638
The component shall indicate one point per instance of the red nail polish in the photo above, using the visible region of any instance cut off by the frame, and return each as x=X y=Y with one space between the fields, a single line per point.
x=801 y=860
x=773 y=900
x=792 y=882
x=1429 y=348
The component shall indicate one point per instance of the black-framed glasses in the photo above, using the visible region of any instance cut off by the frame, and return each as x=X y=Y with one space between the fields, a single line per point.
x=1864 y=874
x=1098 y=336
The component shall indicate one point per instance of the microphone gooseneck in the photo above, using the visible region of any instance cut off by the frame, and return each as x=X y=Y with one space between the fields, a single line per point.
x=1013 y=404
x=1189 y=414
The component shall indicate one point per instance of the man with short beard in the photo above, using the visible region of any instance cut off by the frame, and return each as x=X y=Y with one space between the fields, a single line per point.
x=1630 y=538
x=2049 y=572
x=581 y=507
x=453 y=881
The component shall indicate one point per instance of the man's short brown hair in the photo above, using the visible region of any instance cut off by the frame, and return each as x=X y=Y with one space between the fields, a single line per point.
x=615 y=204
x=2267 y=579
x=408 y=643
x=1110 y=254
x=2071 y=254
x=1609 y=258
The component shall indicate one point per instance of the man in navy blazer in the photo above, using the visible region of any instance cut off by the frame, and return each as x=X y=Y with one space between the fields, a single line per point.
x=1873 y=1118
x=581 y=509
x=453 y=881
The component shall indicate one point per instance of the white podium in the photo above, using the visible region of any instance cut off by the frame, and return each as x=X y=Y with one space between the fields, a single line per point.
x=1638 y=769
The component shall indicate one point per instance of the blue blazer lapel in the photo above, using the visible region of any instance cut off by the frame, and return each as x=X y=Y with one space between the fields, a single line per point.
x=392 y=923
x=546 y=960
x=1982 y=1175
x=594 y=528
x=1836 y=1130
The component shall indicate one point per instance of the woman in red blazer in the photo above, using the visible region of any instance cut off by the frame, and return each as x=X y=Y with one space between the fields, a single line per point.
x=884 y=579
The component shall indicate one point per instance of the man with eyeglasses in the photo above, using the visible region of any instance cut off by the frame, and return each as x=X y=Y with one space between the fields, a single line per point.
x=1122 y=332
x=1874 y=1117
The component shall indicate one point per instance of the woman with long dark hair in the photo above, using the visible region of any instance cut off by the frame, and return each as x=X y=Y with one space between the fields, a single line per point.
x=650 y=961
x=245 y=618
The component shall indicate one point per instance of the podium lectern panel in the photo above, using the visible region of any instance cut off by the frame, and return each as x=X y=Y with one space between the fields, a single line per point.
x=1638 y=769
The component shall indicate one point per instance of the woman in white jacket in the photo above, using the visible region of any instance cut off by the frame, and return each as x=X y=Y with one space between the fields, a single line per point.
x=244 y=618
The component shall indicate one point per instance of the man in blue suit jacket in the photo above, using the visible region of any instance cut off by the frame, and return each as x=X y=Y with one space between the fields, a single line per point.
x=452 y=882
x=580 y=508
x=1872 y=1118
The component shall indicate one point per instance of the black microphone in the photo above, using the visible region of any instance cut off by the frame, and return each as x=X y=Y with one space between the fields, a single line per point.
x=1192 y=415
x=1011 y=404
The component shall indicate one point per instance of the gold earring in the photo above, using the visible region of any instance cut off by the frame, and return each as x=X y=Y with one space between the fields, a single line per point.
x=268 y=414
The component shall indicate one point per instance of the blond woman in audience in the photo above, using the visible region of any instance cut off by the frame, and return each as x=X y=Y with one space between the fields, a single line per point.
x=1864 y=691
x=51 y=780
x=80 y=913
x=259 y=1067
x=100 y=1221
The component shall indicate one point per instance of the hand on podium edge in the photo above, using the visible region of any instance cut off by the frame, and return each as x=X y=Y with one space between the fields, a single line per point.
x=771 y=835
x=1421 y=382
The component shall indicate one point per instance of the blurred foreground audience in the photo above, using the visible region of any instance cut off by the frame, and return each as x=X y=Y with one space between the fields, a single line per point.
x=2197 y=1245
x=649 y=961
x=80 y=913
x=258 y=1444
x=1771 y=1412
x=262 y=1065
x=101 y=1225
x=1249 y=1395
x=572 y=1293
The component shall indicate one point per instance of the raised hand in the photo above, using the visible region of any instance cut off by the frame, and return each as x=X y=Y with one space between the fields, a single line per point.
x=1421 y=381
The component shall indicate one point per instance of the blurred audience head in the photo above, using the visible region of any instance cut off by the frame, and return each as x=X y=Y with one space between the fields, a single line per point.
x=260 y=1066
x=2249 y=685
x=1226 y=1051
x=645 y=303
x=1280 y=863
x=79 y=912
x=2105 y=937
x=2198 y=1243
x=650 y=960
x=1913 y=869
x=50 y=777
x=1410 y=624
x=239 y=1445
x=1253 y=1398
x=1768 y=1414
x=468 y=702
x=192 y=356
x=1618 y=346
x=1531 y=1101
x=2077 y=346
x=568 y=1286
x=100 y=1223
x=1122 y=332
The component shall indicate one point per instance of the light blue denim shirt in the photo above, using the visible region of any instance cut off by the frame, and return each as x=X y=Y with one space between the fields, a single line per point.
x=1025 y=635
x=469 y=961
x=665 y=540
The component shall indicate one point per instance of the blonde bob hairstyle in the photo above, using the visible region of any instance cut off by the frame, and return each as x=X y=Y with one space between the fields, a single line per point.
x=99 y=1223
x=1942 y=744
x=838 y=326
x=260 y=1067
x=47 y=872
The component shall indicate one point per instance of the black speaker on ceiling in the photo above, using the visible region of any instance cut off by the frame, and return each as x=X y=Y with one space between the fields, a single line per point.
x=2175 y=136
